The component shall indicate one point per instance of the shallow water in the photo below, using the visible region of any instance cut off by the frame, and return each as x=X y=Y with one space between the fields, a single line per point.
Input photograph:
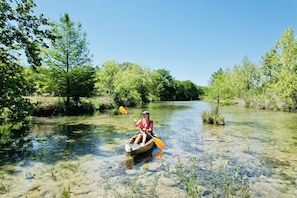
x=253 y=155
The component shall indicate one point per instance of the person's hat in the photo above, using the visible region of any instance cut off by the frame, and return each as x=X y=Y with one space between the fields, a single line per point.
x=145 y=113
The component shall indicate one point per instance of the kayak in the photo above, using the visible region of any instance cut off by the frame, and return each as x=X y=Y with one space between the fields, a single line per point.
x=135 y=149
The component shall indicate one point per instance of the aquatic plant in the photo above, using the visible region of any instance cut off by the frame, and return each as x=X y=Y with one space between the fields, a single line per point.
x=3 y=187
x=220 y=181
x=66 y=193
x=212 y=117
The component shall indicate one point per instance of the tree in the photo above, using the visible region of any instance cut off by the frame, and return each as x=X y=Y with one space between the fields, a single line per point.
x=219 y=87
x=286 y=84
x=127 y=84
x=22 y=34
x=279 y=72
x=243 y=79
x=269 y=64
x=166 y=87
x=105 y=78
x=68 y=60
x=38 y=79
x=187 y=90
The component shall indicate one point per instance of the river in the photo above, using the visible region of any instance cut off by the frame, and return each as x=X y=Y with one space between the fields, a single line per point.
x=253 y=155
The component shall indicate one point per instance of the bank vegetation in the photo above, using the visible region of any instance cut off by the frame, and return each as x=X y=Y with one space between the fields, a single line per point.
x=269 y=85
x=58 y=64
x=55 y=74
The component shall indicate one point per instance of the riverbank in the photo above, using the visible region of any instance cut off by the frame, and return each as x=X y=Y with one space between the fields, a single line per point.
x=56 y=106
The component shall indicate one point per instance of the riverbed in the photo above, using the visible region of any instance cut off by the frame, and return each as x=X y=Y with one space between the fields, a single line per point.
x=253 y=155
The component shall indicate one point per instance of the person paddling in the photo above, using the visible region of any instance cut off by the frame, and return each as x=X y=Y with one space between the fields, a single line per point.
x=146 y=126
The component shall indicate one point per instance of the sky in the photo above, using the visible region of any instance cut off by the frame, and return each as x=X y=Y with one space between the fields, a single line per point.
x=191 y=39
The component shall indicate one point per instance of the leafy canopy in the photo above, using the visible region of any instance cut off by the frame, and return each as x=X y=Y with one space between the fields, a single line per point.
x=22 y=34
x=68 y=60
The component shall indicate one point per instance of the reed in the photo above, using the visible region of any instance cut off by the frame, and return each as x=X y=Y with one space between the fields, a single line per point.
x=212 y=117
x=56 y=106
x=222 y=181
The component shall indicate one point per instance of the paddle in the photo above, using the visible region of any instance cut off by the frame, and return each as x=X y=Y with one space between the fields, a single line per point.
x=123 y=111
x=157 y=141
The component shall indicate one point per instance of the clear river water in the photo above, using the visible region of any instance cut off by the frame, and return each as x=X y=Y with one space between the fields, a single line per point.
x=253 y=155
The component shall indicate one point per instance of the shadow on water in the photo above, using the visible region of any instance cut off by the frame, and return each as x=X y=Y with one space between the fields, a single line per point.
x=136 y=161
x=60 y=143
x=142 y=158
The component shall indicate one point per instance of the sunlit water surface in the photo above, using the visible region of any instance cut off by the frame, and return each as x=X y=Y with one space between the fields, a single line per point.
x=254 y=154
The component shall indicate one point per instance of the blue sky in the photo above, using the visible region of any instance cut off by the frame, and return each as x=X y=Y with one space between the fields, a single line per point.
x=192 y=39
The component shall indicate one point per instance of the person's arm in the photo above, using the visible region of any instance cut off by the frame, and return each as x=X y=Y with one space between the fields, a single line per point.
x=138 y=123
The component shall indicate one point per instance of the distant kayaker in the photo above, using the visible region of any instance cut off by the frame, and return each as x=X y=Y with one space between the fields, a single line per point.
x=146 y=126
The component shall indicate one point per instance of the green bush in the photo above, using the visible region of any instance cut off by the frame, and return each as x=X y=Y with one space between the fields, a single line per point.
x=213 y=117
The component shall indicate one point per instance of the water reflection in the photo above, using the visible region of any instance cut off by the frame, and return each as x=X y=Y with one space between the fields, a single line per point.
x=61 y=143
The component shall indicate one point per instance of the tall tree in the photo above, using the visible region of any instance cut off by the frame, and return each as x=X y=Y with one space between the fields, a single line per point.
x=166 y=87
x=279 y=71
x=68 y=59
x=187 y=90
x=219 y=87
x=127 y=84
x=215 y=83
x=22 y=34
x=269 y=64
x=105 y=78
x=243 y=78
x=286 y=85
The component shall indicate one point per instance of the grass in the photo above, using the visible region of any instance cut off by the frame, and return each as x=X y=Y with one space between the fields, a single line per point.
x=213 y=117
x=49 y=100
x=3 y=186
x=66 y=193
x=56 y=106
x=222 y=181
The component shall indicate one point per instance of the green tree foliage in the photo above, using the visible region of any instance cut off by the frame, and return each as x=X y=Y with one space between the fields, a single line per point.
x=22 y=31
x=187 y=90
x=271 y=85
x=68 y=61
x=269 y=64
x=22 y=34
x=13 y=107
x=219 y=88
x=105 y=78
x=238 y=82
x=38 y=79
x=166 y=85
x=127 y=84
x=279 y=71
x=243 y=78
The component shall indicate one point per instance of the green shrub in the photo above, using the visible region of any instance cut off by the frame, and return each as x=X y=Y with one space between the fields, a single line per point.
x=213 y=117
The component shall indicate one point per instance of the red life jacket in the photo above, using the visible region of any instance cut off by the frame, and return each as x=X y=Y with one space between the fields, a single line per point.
x=147 y=127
